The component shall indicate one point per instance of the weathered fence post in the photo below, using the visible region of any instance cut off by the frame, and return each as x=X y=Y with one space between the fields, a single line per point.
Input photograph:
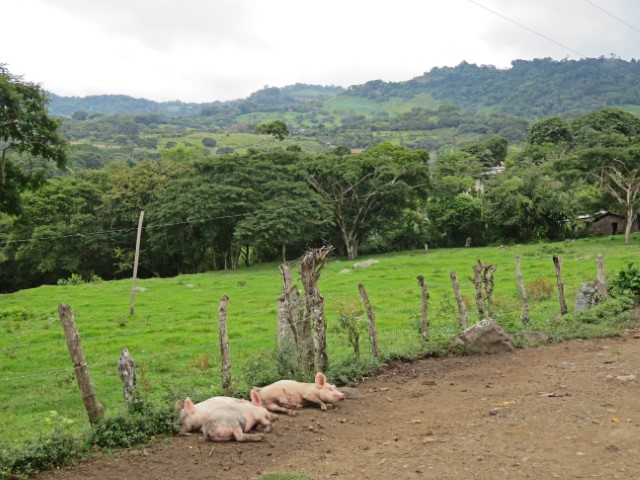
x=462 y=309
x=373 y=333
x=91 y=403
x=224 y=345
x=477 y=283
x=525 y=317
x=488 y=280
x=310 y=266
x=127 y=371
x=557 y=262
x=135 y=263
x=602 y=280
x=288 y=310
x=425 y=307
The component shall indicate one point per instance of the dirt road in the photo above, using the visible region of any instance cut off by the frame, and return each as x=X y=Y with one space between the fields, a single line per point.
x=567 y=411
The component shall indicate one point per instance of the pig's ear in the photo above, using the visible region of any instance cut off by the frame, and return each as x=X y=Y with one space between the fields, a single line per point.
x=189 y=407
x=255 y=397
x=179 y=405
x=320 y=379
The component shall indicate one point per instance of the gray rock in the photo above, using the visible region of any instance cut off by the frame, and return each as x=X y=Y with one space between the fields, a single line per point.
x=485 y=336
x=587 y=296
x=366 y=263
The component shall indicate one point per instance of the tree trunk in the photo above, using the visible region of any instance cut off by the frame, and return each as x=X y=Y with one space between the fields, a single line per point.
x=602 y=281
x=477 y=284
x=127 y=371
x=310 y=266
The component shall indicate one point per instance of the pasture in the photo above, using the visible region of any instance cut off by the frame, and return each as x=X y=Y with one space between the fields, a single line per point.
x=173 y=334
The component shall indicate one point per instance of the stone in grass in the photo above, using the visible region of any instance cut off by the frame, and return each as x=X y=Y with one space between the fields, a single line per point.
x=366 y=263
x=485 y=336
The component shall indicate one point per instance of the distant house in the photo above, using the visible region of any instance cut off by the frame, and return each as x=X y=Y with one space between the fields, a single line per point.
x=608 y=223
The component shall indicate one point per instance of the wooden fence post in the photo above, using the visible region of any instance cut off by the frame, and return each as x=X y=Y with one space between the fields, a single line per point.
x=477 y=283
x=462 y=309
x=91 y=403
x=557 y=262
x=489 y=283
x=602 y=280
x=135 y=263
x=425 y=307
x=127 y=370
x=224 y=345
x=373 y=333
x=525 y=317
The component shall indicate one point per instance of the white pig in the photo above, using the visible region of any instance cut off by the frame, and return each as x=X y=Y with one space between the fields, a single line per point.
x=227 y=423
x=287 y=395
x=192 y=417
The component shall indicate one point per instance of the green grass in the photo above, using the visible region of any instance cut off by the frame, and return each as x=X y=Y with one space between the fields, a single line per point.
x=173 y=338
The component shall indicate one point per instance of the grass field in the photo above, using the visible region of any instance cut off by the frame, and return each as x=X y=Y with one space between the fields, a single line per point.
x=173 y=334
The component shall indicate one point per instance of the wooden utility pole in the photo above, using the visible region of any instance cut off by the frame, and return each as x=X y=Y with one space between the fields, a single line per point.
x=135 y=263
x=373 y=332
x=224 y=345
x=91 y=403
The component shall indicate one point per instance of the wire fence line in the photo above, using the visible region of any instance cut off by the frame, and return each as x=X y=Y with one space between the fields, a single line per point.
x=398 y=331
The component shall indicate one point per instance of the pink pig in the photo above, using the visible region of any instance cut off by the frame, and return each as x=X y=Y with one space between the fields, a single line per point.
x=192 y=417
x=286 y=395
x=228 y=423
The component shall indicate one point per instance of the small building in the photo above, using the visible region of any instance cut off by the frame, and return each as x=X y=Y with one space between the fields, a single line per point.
x=608 y=223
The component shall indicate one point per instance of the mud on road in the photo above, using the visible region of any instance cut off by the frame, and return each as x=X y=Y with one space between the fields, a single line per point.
x=569 y=411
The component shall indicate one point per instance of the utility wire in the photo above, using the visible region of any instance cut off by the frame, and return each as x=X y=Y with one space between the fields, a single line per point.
x=612 y=15
x=528 y=29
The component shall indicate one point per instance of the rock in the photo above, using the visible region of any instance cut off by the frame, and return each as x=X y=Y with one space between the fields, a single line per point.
x=587 y=296
x=366 y=263
x=485 y=336
x=344 y=270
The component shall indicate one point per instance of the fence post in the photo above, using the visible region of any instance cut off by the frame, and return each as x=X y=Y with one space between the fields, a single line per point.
x=127 y=370
x=91 y=403
x=462 y=309
x=487 y=279
x=478 y=270
x=224 y=344
x=602 y=281
x=373 y=333
x=557 y=262
x=135 y=263
x=425 y=307
x=525 y=317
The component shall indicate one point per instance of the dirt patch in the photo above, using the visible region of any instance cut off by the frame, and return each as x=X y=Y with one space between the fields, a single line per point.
x=569 y=410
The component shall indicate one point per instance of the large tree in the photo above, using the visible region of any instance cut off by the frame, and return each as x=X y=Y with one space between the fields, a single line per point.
x=28 y=135
x=367 y=188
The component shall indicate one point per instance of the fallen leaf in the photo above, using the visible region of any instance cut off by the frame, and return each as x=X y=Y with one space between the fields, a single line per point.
x=415 y=420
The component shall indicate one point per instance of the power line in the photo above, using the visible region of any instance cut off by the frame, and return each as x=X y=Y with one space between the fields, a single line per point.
x=612 y=15
x=528 y=29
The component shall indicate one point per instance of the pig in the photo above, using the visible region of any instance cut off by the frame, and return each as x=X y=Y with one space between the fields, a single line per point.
x=192 y=416
x=226 y=423
x=286 y=395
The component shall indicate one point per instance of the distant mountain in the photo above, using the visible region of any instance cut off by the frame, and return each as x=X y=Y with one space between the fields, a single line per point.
x=529 y=89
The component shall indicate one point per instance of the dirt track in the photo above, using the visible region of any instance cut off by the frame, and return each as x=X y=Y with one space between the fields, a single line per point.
x=566 y=411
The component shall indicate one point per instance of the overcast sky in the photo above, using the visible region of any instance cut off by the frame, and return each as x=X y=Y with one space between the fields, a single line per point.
x=206 y=50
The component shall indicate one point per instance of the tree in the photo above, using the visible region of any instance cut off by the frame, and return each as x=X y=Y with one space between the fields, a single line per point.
x=622 y=181
x=278 y=129
x=367 y=188
x=551 y=131
x=27 y=130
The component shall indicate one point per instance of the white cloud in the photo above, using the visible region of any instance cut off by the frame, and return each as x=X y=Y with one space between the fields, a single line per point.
x=205 y=50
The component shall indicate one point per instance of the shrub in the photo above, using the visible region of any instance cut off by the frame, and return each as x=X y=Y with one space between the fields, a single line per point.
x=539 y=289
x=74 y=279
x=141 y=423
x=626 y=282
x=351 y=319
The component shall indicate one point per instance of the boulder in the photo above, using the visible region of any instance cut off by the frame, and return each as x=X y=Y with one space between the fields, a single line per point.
x=587 y=296
x=485 y=336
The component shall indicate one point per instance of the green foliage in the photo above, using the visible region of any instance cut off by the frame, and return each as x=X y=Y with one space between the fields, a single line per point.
x=57 y=449
x=277 y=128
x=626 y=282
x=353 y=321
x=144 y=421
x=74 y=279
x=27 y=130
x=284 y=476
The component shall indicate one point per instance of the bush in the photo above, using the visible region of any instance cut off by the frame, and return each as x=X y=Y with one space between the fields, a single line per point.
x=141 y=423
x=626 y=282
x=539 y=289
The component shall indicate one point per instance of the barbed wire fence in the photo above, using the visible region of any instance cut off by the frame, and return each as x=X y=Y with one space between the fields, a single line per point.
x=399 y=334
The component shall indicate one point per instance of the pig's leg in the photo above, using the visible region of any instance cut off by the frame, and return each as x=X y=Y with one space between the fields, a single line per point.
x=240 y=436
x=276 y=407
